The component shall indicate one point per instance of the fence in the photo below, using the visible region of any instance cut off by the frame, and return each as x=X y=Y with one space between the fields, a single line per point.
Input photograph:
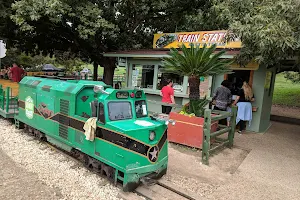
x=209 y=117
x=8 y=103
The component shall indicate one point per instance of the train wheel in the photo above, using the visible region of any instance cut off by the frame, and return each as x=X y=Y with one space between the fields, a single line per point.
x=38 y=134
x=86 y=161
x=108 y=171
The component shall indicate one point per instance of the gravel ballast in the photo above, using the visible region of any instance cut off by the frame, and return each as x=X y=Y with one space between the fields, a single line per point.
x=53 y=168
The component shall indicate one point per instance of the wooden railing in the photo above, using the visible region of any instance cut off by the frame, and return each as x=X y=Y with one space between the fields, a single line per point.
x=212 y=116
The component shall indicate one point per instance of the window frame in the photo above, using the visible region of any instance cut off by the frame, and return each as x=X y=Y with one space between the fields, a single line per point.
x=130 y=103
x=155 y=90
x=99 y=106
x=143 y=64
x=146 y=108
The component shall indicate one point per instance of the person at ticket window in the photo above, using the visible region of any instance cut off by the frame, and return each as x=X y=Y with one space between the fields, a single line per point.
x=167 y=93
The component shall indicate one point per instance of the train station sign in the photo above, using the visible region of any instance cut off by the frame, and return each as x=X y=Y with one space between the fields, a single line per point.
x=175 y=40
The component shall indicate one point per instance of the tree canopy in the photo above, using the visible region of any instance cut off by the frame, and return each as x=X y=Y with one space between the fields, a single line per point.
x=92 y=27
x=269 y=29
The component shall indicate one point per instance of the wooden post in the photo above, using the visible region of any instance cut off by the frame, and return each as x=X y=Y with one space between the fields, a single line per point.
x=206 y=137
x=232 y=125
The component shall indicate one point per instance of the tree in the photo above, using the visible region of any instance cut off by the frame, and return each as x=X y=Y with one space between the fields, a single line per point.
x=292 y=76
x=269 y=29
x=89 y=28
x=69 y=61
x=26 y=60
x=195 y=62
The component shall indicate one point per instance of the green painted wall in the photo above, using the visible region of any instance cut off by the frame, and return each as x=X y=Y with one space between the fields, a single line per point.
x=265 y=98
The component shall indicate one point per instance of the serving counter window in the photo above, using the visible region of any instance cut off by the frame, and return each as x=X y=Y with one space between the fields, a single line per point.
x=152 y=78
x=142 y=76
x=163 y=76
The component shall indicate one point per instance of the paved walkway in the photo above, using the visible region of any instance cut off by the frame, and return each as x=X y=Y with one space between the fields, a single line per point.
x=272 y=168
x=17 y=183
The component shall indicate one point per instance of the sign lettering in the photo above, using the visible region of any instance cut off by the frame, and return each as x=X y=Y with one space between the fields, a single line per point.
x=175 y=40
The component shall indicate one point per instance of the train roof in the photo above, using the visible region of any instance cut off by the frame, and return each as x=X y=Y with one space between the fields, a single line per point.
x=73 y=87
x=67 y=86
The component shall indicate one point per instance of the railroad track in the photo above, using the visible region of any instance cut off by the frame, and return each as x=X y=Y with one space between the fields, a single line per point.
x=154 y=190
x=163 y=191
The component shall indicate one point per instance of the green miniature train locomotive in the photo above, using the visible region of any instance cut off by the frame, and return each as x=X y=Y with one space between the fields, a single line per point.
x=126 y=145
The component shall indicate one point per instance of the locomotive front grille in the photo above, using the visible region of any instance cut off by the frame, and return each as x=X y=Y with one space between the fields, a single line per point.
x=64 y=107
x=63 y=131
x=64 y=119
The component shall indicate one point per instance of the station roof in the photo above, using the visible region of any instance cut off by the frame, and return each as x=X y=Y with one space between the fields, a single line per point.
x=159 y=53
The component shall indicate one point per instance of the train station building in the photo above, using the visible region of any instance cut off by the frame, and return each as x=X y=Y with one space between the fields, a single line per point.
x=144 y=69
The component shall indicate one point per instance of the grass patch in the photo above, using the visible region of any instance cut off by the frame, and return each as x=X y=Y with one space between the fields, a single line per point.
x=285 y=92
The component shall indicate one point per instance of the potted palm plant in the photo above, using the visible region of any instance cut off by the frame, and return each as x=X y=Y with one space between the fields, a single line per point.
x=193 y=62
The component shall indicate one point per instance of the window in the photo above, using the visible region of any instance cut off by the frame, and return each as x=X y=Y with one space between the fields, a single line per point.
x=163 y=77
x=93 y=106
x=141 y=109
x=101 y=116
x=119 y=110
x=142 y=76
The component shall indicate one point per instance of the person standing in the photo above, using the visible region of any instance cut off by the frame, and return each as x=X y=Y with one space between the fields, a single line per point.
x=243 y=101
x=223 y=99
x=16 y=73
x=222 y=96
x=167 y=93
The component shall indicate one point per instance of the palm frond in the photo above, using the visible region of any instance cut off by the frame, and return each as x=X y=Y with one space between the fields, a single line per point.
x=196 y=61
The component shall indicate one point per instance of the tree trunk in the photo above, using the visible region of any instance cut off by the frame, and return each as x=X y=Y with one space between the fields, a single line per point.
x=194 y=96
x=109 y=65
x=95 y=78
x=194 y=85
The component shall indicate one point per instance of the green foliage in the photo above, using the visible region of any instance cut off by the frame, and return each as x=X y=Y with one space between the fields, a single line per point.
x=196 y=62
x=65 y=60
x=195 y=107
x=84 y=17
x=88 y=28
x=268 y=29
x=26 y=60
x=285 y=92
x=292 y=76
x=198 y=106
x=69 y=61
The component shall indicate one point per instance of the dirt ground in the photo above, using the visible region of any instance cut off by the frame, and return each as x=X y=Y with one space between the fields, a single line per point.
x=293 y=112
x=260 y=166
x=190 y=174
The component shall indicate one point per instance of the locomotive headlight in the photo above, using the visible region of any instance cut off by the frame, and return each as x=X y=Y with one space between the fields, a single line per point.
x=152 y=135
